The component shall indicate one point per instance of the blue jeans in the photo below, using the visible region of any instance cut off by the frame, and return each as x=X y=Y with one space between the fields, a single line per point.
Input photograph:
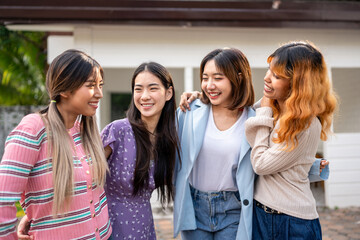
x=217 y=215
x=281 y=226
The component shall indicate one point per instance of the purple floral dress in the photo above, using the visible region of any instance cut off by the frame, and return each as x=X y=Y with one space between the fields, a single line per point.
x=130 y=216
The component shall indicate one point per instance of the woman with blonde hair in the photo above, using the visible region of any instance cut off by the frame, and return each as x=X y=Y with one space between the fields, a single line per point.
x=54 y=161
x=296 y=112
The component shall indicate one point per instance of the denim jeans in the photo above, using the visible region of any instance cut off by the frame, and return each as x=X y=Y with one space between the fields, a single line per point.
x=217 y=215
x=281 y=226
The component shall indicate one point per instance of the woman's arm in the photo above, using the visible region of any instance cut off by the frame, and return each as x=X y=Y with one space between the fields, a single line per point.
x=109 y=139
x=22 y=149
x=319 y=171
x=108 y=151
x=268 y=160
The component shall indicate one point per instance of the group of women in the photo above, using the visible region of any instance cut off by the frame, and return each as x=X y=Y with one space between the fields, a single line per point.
x=235 y=169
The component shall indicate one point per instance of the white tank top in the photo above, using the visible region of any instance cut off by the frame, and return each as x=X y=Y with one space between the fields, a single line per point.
x=215 y=167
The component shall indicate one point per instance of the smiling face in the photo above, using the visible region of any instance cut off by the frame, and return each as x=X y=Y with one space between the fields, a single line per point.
x=216 y=85
x=150 y=96
x=84 y=100
x=276 y=87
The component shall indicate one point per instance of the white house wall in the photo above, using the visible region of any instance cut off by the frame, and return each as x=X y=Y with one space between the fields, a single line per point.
x=346 y=82
x=58 y=44
x=127 y=46
x=343 y=186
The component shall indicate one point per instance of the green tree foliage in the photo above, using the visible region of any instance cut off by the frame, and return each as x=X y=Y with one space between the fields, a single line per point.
x=22 y=67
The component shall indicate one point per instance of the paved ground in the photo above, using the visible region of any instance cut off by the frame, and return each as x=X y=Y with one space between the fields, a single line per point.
x=337 y=224
x=340 y=224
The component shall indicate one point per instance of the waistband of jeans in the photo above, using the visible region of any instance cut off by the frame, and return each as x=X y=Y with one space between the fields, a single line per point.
x=221 y=194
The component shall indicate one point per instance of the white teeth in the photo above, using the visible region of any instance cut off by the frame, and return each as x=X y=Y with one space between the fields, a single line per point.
x=267 y=88
x=146 y=105
x=93 y=104
x=214 y=94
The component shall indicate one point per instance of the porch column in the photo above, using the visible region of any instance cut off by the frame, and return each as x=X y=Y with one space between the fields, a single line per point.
x=83 y=40
x=188 y=79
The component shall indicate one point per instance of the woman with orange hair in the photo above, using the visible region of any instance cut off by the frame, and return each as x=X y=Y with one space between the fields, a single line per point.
x=295 y=113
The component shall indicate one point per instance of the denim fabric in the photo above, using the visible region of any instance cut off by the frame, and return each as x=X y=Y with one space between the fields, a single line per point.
x=281 y=226
x=217 y=215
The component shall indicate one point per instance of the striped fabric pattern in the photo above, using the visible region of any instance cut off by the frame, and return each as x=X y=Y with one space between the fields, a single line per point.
x=26 y=176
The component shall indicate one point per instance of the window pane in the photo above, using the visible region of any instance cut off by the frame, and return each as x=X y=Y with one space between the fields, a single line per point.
x=119 y=105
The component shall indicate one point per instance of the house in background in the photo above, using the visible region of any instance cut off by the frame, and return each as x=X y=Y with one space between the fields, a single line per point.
x=178 y=34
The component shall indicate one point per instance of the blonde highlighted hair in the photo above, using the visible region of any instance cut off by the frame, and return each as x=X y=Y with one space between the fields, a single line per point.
x=310 y=95
x=67 y=73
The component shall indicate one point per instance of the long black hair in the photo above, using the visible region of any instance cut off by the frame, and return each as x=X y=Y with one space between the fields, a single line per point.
x=166 y=139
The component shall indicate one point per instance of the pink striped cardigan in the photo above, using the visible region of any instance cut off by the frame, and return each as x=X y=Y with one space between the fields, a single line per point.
x=26 y=175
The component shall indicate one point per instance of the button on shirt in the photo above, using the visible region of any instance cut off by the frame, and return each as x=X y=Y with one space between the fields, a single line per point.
x=26 y=173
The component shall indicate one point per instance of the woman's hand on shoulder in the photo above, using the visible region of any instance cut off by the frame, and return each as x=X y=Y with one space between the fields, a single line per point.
x=186 y=98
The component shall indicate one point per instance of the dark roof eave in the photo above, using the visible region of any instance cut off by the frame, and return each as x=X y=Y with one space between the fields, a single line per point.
x=185 y=13
x=245 y=24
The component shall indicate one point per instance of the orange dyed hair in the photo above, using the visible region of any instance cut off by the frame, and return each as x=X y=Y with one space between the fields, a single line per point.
x=310 y=95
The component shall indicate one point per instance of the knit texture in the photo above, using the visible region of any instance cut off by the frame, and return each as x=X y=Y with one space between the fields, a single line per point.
x=283 y=182
x=26 y=175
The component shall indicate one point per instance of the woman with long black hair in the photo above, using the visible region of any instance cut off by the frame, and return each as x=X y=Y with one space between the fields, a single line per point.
x=141 y=151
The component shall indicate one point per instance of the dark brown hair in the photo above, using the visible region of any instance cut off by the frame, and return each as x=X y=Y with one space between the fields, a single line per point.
x=235 y=66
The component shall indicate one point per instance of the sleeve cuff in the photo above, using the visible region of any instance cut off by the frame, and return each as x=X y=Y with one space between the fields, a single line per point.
x=315 y=175
x=264 y=111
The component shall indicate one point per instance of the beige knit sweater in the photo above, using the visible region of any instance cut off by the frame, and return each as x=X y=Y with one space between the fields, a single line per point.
x=283 y=182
